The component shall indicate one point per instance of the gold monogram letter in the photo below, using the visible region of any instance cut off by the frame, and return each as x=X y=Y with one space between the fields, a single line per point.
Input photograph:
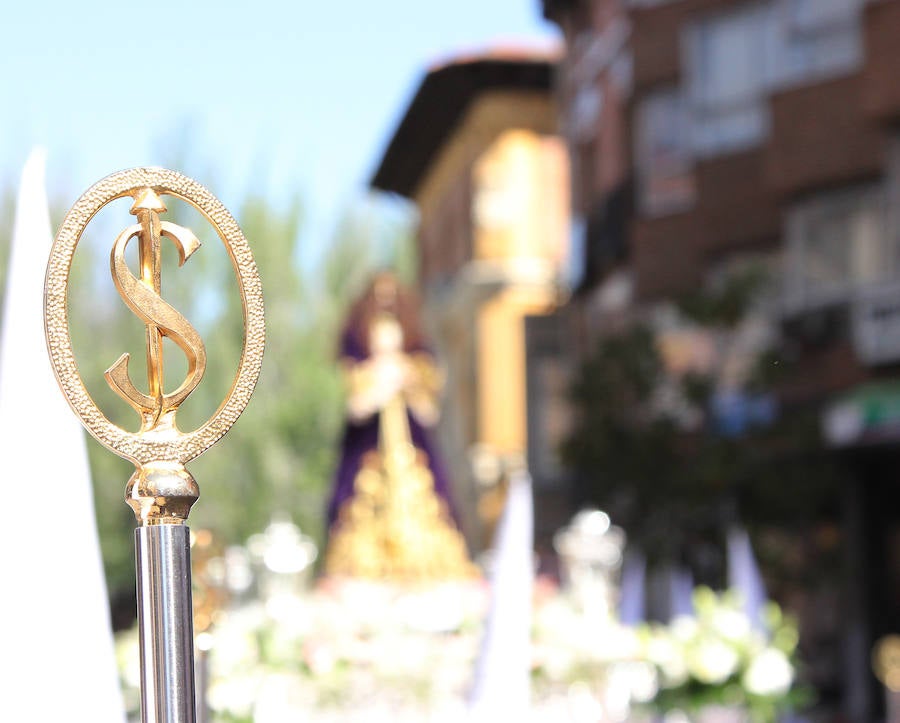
x=142 y=296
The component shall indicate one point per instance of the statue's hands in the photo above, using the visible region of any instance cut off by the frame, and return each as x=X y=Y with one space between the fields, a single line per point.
x=374 y=382
x=392 y=374
x=383 y=377
x=423 y=388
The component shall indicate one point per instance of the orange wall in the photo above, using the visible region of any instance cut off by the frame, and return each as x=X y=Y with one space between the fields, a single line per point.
x=501 y=366
x=520 y=200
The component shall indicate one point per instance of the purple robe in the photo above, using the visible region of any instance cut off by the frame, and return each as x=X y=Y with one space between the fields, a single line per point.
x=361 y=437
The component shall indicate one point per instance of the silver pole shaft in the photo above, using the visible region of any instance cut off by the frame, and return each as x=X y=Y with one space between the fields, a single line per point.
x=166 y=624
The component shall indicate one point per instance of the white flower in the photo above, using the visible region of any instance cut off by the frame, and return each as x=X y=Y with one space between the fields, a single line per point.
x=769 y=673
x=637 y=678
x=319 y=656
x=684 y=628
x=280 y=698
x=556 y=660
x=731 y=624
x=235 y=694
x=669 y=658
x=558 y=623
x=618 y=642
x=234 y=648
x=712 y=661
x=433 y=611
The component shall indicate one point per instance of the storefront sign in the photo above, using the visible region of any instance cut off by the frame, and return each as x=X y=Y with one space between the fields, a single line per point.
x=876 y=324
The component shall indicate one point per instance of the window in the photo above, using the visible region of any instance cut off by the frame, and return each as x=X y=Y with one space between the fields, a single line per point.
x=838 y=243
x=584 y=113
x=818 y=38
x=817 y=14
x=729 y=58
x=665 y=171
x=735 y=58
x=575 y=268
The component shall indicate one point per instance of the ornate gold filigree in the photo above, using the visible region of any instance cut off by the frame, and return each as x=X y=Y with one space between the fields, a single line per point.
x=161 y=490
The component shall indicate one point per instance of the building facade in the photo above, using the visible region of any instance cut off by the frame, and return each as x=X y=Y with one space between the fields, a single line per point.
x=477 y=152
x=705 y=134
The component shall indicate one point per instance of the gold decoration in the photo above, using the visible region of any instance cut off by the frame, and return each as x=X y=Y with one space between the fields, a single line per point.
x=395 y=526
x=142 y=296
x=161 y=489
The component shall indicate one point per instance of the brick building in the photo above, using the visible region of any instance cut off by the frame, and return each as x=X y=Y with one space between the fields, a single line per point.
x=703 y=133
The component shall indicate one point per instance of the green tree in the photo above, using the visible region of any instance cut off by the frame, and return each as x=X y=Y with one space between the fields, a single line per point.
x=669 y=473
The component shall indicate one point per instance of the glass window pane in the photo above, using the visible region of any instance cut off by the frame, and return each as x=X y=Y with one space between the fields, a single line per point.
x=819 y=38
x=838 y=244
x=809 y=14
x=663 y=151
x=728 y=76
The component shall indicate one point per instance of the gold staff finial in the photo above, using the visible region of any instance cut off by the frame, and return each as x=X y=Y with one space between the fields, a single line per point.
x=161 y=490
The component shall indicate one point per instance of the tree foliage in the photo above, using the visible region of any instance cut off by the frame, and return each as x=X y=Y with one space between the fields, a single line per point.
x=676 y=486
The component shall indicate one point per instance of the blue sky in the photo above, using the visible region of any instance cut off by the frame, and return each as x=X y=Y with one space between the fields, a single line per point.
x=291 y=95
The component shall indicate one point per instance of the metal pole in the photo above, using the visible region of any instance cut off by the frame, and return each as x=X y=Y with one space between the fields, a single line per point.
x=165 y=621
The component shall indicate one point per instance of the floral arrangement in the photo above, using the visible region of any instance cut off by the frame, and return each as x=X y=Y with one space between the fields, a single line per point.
x=580 y=652
x=363 y=651
x=723 y=659
x=348 y=651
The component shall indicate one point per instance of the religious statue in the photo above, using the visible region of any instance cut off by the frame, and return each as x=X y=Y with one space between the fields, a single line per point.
x=390 y=514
